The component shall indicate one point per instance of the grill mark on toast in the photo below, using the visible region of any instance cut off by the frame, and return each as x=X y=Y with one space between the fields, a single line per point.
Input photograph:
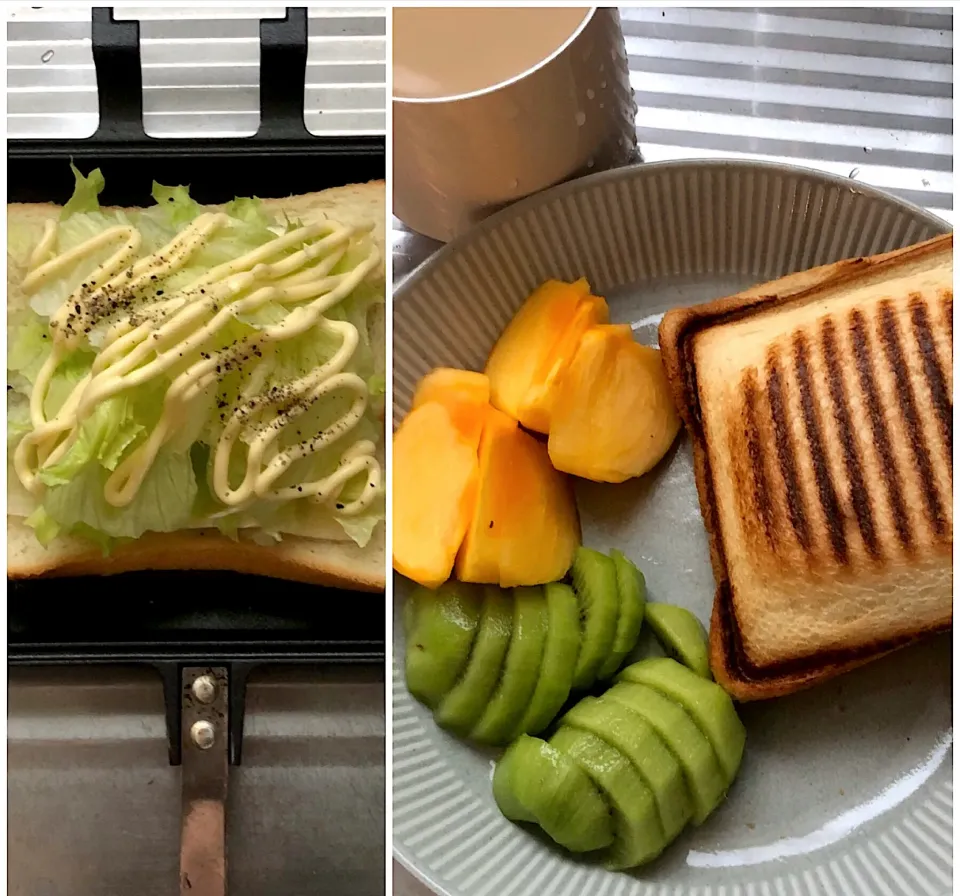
x=815 y=446
x=946 y=297
x=936 y=380
x=890 y=337
x=859 y=495
x=760 y=486
x=878 y=427
x=785 y=453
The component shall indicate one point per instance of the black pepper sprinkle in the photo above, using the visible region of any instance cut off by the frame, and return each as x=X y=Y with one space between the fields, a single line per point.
x=159 y=292
x=299 y=488
x=339 y=506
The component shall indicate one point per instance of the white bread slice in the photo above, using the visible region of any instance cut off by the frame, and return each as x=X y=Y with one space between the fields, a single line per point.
x=820 y=409
x=322 y=562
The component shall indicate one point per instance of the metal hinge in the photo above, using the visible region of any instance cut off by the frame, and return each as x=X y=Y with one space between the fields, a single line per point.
x=204 y=768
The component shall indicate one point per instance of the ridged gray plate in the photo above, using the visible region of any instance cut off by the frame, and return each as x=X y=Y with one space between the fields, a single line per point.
x=845 y=790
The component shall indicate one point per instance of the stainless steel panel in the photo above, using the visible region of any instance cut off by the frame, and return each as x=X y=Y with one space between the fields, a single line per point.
x=94 y=808
x=201 y=70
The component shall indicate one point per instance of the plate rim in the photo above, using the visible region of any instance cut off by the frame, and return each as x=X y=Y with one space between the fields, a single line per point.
x=637 y=169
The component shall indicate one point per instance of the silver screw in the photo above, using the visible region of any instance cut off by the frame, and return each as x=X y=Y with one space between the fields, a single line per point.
x=204 y=689
x=203 y=734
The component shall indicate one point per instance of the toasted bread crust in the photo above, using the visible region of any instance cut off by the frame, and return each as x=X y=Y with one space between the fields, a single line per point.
x=322 y=562
x=337 y=564
x=773 y=527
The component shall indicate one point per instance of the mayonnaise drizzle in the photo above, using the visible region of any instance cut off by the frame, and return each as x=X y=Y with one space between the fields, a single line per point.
x=152 y=338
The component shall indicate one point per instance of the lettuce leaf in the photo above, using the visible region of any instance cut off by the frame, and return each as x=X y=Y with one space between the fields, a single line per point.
x=86 y=191
x=81 y=227
x=156 y=228
x=249 y=210
x=28 y=346
x=71 y=370
x=163 y=503
x=266 y=315
x=103 y=438
x=179 y=208
x=360 y=528
x=235 y=239
x=44 y=526
x=77 y=229
x=360 y=309
x=105 y=542
x=18 y=418
x=155 y=231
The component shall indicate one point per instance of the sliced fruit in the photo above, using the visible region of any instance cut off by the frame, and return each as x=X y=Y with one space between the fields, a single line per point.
x=442 y=382
x=439 y=642
x=540 y=535
x=525 y=527
x=638 y=834
x=559 y=659
x=701 y=769
x=479 y=557
x=435 y=481
x=534 y=782
x=535 y=409
x=708 y=704
x=681 y=635
x=613 y=416
x=595 y=583
x=521 y=668
x=464 y=393
x=636 y=739
x=459 y=710
x=411 y=608
x=523 y=353
x=633 y=594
